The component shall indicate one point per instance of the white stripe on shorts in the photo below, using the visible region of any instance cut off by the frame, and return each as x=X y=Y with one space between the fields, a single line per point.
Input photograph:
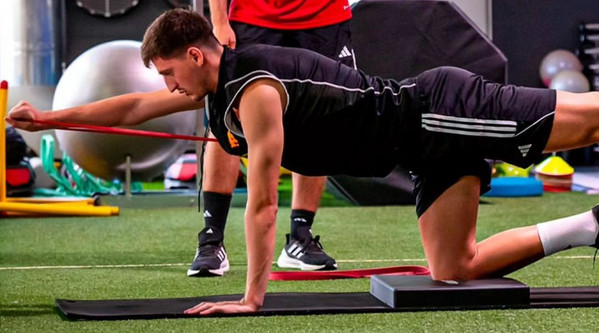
x=469 y=126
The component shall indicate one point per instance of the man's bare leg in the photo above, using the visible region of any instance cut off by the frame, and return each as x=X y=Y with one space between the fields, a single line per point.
x=307 y=192
x=448 y=234
x=449 y=238
x=576 y=121
x=220 y=170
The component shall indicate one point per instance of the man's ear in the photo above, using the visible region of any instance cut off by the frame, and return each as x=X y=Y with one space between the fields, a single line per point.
x=196 y=55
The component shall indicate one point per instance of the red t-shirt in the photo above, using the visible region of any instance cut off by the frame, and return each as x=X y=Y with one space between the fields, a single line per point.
x=290 y=14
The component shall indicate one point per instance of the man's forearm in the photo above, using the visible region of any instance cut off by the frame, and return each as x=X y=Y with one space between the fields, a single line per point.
x=108 y=112
x=126 y=110
x=218 y=12
x=260 y=232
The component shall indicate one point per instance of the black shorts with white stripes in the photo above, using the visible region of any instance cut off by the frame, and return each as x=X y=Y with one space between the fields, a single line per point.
x=466 y=120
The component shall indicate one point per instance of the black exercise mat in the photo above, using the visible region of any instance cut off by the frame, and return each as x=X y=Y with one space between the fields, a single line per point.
x=564 y=297
x=300 y=304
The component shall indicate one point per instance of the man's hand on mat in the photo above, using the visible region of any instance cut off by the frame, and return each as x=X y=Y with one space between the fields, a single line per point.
x=206 y=308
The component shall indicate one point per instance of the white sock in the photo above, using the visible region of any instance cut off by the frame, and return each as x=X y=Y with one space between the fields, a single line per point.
x=568 y=232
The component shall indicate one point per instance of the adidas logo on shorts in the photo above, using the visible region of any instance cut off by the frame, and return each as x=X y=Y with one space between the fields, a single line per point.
x=524 y=149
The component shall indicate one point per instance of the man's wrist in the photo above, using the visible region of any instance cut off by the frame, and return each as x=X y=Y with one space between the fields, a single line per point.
x=254 y=301
x=220 y=21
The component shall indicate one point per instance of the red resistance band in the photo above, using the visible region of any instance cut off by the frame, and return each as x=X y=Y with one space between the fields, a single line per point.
x=295 y=275
x=349 y=274
x=115 y=130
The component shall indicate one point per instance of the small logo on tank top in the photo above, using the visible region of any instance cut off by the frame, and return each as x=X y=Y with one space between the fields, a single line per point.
x=232 y=140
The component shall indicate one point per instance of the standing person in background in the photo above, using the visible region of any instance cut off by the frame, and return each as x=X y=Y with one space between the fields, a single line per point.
x=318 y=25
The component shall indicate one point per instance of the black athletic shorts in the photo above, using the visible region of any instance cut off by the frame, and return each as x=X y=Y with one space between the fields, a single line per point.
x=333 y=41
x=465 y=120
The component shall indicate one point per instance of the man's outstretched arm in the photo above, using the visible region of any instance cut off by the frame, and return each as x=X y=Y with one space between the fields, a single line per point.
x=122 y=110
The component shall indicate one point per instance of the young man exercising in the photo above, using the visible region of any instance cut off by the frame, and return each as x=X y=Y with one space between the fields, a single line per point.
x=298 y=109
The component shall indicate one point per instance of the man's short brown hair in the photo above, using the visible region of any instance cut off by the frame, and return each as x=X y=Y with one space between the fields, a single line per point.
x=174 y=30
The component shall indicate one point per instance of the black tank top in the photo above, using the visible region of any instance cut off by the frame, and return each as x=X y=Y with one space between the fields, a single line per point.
x=337 y=119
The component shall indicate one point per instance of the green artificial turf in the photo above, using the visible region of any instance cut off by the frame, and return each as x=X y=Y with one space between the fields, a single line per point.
x=144 y=253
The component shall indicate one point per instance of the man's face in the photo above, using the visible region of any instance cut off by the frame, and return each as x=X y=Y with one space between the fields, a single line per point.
x=183 y=74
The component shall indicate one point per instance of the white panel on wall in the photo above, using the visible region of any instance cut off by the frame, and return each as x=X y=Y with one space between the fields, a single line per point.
x=479 y=12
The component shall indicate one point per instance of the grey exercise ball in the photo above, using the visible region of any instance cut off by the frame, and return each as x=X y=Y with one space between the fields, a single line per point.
x=107 y=70
x=557 y=61
x=570 y=80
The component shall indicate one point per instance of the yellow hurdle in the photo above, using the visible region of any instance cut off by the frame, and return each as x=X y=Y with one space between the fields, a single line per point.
x=39 y=206
x=59 y=209
x=3 y=111
x=55 y=200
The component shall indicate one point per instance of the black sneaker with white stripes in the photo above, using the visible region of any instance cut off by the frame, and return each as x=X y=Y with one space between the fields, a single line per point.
x=211 y=257
x=306 y=255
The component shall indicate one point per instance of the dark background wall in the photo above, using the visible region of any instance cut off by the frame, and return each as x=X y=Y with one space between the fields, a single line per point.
x=82 y=30
x=526 y=30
